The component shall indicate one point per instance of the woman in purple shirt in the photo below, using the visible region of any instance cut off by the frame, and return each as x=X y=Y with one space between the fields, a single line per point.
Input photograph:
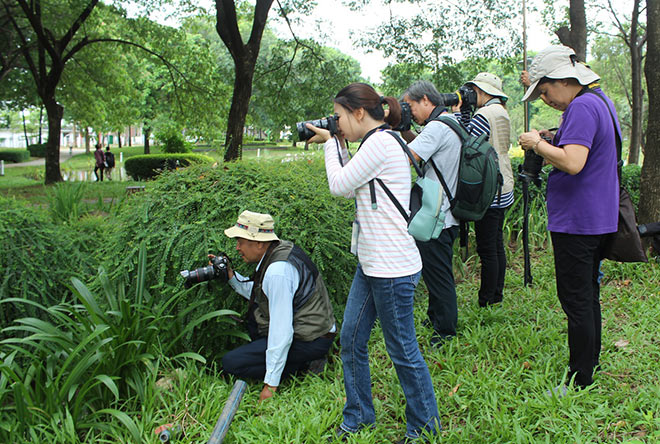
x=582 y=194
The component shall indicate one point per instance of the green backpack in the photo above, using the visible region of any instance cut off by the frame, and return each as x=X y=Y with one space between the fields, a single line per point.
x=479 y=177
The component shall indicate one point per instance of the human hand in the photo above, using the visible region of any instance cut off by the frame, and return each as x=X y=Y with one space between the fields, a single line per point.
x=321 y=135
x=524 y=78
x=457 y=108
x=267 y=392
x=529 y=140
x=230 y=272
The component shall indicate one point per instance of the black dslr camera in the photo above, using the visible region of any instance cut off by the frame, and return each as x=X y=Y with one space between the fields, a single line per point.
x=532 y=164
x=329 y=123
x=218 y=269
x=465 y=93
x=406 y=117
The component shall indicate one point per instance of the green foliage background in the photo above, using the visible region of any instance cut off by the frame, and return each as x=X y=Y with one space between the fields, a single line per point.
x=182 y=217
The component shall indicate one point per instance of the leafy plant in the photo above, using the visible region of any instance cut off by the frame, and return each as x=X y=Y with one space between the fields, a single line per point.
x=148 y=166
x=82 y=361
x=66 y=201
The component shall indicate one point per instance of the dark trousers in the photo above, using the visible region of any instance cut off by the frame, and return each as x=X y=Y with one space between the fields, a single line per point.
x=439 y=279
x=249 y=360
x=96 y=168
x=577 y=259
x=490 y=247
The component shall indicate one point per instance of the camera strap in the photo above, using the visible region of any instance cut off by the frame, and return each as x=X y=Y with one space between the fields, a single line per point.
x=619 y=164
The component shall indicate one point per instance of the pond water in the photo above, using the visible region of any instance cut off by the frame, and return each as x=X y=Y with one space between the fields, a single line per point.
x=118 y=174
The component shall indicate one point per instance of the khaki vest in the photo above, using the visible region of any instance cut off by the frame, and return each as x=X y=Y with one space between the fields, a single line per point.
x=500 y=133
x=312 y=312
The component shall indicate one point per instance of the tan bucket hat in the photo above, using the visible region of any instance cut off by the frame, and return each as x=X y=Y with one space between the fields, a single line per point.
x=253 y=226
x=557 y=62
x=490 y=84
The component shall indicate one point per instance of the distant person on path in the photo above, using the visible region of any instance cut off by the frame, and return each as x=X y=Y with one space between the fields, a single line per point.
x=99 y=157
x=109 y=163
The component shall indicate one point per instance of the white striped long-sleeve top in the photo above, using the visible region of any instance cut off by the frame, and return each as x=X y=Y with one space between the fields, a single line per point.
x=385 y=249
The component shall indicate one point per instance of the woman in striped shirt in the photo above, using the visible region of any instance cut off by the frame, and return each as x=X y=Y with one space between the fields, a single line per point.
x=388 y=261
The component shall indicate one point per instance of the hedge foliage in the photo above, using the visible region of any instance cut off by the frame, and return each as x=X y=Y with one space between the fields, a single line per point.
x=148 y=166
x=183 y=215
x=39 y=257
x=15 y=156
x=172 y=141
x=37 y=150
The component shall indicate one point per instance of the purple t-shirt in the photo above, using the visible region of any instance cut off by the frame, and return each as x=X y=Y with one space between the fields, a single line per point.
x=588 y=202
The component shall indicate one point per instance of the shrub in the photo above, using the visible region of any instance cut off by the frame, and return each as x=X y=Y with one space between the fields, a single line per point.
x=37 y=150
x=39 y=255
x=15 y=156
x=172 y=141
x=148 y=166
x=182 y=216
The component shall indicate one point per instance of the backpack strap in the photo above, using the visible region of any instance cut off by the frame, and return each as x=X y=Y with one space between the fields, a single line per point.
x=462 y=135
x=395 y=201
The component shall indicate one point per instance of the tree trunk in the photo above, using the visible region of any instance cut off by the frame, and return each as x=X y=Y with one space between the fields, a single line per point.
x=27 y=141
x=576 y=37
x=238 y=113
x=41 y=115
x=54 y=111
x=74 y=142
x=147 y=133
x=130 y=136
x=649 y=194
x=636 y=43
x=118 y=139
x=87 y=140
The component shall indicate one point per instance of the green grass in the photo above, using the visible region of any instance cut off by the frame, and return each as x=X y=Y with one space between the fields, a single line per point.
x=489 y=381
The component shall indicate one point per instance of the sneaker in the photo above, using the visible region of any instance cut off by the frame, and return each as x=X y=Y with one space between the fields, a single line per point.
x=339 y=435
x=317 y=366
x=558 y=392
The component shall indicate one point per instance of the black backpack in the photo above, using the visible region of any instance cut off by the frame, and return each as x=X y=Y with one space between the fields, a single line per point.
x=110 y=159
x=479 y=177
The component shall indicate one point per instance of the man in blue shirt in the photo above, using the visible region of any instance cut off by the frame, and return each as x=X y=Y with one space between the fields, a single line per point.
x=290 y=318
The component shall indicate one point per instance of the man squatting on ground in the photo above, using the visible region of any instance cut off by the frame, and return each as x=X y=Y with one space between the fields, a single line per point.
x=441 y=144
x=290 y=319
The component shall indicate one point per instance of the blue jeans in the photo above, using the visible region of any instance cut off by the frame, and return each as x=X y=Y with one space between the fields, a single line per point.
x=391 y=301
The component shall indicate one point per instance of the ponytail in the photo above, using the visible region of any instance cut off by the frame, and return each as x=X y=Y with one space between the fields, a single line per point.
x=394 y=116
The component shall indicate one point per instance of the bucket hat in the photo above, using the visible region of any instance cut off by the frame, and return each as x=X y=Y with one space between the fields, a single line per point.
x=557 y=62
x=253 y=226
x=490 y=84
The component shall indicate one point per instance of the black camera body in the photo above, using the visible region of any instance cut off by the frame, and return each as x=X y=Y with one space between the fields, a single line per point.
x=218 y=269
x=465 y=94
x=406 y=117
x=532 y=164
x=329 y=123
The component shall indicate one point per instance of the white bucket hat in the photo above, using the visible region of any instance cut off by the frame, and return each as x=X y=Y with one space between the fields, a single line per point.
x=557 y=62
x=253 y=226
x=490 y=84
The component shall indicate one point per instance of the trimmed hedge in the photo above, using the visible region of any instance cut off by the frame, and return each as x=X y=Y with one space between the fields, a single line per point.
x=148 y=166
x=37 y=150
x=15 y=156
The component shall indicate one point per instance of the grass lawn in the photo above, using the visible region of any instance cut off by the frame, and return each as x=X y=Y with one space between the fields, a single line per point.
x=489 y=381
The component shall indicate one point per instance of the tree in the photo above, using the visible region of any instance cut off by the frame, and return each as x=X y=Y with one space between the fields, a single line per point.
x=46 y=56
x=575 y=35
x=649 y=198
x=244 y=56
x=433 y=38
x=634 y=36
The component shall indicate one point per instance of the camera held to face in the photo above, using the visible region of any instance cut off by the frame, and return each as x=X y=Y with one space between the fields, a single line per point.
x=218 y=269
x=465 y=94
x=406 y=117
x=329 y=123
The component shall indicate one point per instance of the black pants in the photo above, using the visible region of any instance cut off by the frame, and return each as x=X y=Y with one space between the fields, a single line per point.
x=249 y=360
x=96 y=168
x=577 y=259
x=439 y=279
x=490 y=247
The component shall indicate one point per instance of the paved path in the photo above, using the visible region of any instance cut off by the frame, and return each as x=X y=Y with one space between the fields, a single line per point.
x=64 y=155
